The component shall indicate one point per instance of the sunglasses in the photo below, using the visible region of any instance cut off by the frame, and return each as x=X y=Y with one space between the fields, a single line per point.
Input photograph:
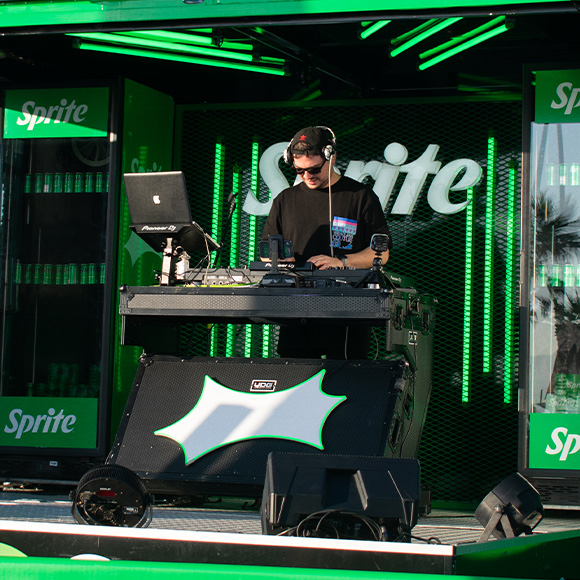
x=312 y=170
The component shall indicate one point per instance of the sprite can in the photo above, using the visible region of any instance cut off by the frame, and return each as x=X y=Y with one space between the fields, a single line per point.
x=73 y=273
x=47 y=274
x=59 y=274
x=569 y=275
x=92 y=274
x=28 y=273
x=58 y=183
x=18 y=273
x=90 y=183
x=79 y=182
x=48 y=183
x=69 y=182
x=99 y=183
x=542 y=275
x=38 y=183
x=37 y=273
x=556 y=276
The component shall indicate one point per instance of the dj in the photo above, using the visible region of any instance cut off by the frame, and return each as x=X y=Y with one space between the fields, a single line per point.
x=330 y=219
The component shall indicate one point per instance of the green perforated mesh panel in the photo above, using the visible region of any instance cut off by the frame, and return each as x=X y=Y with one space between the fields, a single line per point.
x=466 y=259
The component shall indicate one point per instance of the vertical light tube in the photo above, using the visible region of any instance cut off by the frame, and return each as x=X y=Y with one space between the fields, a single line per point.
x=466 y=356
x=218 y=191
x=489 y=252
x=234 y=250
x=510 y=286
x=216 y=218
x=252 y=232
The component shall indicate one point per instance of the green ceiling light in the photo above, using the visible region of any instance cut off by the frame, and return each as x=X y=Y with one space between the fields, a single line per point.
x=420 y=33
x=466 y=41
x=149 y=43
x=372 y=27
x=170 y=36
x=463 y=37
x=250 y=67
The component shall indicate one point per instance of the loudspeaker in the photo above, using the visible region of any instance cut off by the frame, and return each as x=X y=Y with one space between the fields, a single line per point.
x=369 y=416
x=350 y=497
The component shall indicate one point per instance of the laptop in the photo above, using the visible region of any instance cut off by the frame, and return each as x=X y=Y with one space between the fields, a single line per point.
x=159 y=208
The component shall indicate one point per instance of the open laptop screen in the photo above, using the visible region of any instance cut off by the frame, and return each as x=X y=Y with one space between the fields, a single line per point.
x=157 y=200
x=159 y=208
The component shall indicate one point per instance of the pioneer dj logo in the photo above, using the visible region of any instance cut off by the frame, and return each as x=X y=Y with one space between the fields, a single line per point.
x=222 y=416
x=259 y=386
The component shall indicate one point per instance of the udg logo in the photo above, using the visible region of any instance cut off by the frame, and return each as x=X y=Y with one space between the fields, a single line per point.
x=564 y=444
x=568 y=97
x=262 y=386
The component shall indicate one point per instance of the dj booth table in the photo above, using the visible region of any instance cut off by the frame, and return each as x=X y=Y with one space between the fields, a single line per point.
x=380 y=405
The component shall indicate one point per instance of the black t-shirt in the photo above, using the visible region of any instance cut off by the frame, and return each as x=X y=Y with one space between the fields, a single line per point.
x=302 y=214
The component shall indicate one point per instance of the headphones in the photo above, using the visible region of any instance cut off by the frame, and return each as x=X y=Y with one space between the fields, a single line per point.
x=328 y=151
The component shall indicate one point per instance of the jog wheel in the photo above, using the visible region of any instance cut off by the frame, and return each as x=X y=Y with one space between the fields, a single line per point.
x=112 y=495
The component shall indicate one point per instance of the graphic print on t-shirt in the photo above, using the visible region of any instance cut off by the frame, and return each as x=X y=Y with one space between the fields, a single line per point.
x=343 y=232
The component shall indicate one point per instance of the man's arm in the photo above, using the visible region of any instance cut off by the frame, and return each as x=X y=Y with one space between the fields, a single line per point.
x=361 y=260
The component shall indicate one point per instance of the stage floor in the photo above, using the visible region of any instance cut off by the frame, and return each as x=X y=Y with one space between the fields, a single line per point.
x=228 y=534
x=451 y=527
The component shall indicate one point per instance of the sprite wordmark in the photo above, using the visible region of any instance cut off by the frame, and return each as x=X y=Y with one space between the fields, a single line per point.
x=568 y=98
x=51 y=422
x=565 y=444
x=64 y=112
x=455 y=176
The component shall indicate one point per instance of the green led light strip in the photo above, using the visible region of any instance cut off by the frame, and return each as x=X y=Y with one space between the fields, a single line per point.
x=466 y=357
x=234 y=250
x=510 y=286
x=218 y=191
x=371 y=29
x=489 y=252
x=461 y=47
x=436 y=27
x=216 y=214
x=81 y=44
x=252 y=231
x=236 y=218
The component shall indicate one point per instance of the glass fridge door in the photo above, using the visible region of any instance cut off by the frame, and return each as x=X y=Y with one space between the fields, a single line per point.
x=53 y=225
x=554 y=361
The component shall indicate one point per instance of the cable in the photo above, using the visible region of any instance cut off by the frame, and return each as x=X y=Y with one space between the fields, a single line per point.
x=338 y=524
x=330 y=207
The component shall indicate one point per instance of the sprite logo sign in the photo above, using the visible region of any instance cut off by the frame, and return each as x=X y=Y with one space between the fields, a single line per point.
x=554 y=441
x=558 y=96
x=82 y=112
x=48 y=422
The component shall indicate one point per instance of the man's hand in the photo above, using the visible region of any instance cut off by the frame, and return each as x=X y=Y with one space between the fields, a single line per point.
x=323 y=262
x=361 y=260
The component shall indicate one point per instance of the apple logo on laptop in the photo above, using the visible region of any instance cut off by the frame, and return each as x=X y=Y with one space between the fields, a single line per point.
x=156 y=199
